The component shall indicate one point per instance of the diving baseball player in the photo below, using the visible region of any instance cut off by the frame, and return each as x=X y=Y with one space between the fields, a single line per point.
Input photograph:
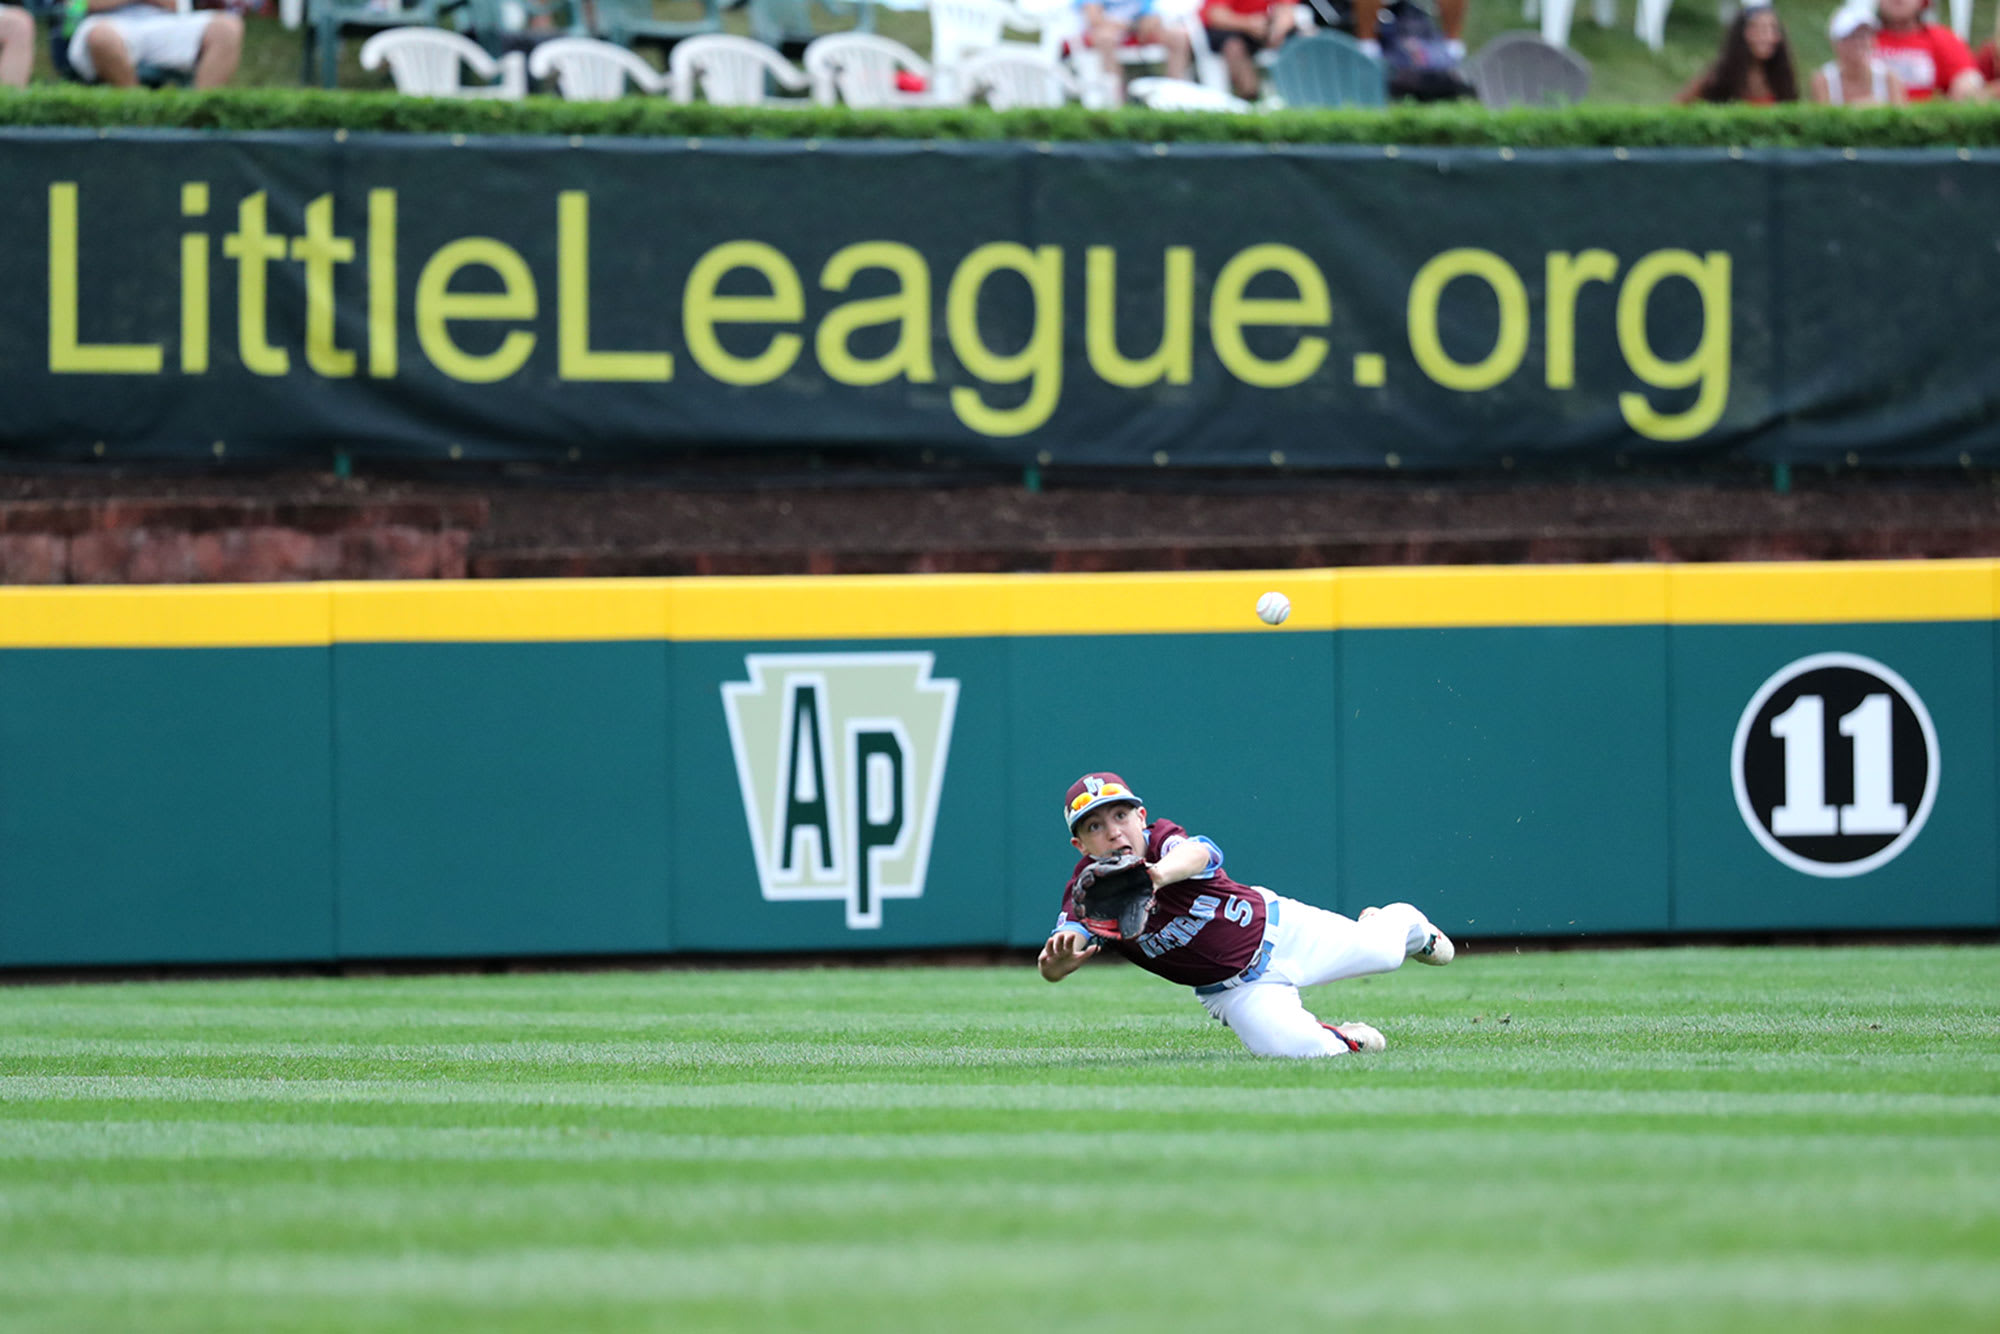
x=1160 y=897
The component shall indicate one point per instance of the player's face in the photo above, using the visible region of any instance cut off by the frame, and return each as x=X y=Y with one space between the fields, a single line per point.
x=1110 y=830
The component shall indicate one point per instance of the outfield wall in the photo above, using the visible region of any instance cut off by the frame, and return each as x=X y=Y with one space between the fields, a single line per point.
x=339 y=771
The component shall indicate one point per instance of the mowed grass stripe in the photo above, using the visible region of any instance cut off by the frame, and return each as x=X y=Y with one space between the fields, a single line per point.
x=139 y=1092
x=1589 y=1219
x=187 y=1140
x=979 y=1202
x=1721 y=977
x=1666 y=1139
x=960 y=1271
x=1592 y=1222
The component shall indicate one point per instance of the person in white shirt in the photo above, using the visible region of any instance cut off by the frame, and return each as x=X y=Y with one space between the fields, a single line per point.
x=1855 y=77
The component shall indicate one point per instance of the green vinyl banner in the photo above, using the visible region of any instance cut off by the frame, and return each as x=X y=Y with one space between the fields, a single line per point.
x=171 y=295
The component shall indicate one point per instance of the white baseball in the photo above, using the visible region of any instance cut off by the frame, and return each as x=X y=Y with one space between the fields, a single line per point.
x=1273 y=608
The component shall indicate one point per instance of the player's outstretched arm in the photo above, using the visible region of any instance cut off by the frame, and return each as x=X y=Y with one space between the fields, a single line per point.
x=1184 y=862
x=1063 y=953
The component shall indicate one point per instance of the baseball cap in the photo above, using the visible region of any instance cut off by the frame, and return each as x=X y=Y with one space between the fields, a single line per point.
x=1846 y=22
x=1089 y=792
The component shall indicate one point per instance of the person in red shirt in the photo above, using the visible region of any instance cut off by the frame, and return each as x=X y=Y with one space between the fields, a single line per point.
x=1243 y=950
x=1929 y=58
x=1239 y=29
x=1987 y=60
x=1754 y=64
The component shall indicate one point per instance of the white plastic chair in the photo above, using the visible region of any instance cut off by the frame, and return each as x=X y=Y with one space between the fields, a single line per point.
x=1520 y=69
x=1180 y=95
x=729 y=71
x=1062 y=39
x=1649 y=21
x=860 y=69
x=1555 y=17
x=961 y=29
x=1063 y=35
x=1210 y=69
x=430 y=62
x=1012 y=75
x=1650 y=17
x=588 y=70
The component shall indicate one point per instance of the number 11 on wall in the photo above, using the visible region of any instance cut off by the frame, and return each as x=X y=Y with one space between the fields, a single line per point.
x=1804 y=811
x=1785 y=761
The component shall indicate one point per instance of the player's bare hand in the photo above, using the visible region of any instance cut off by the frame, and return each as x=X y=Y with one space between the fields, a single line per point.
x=1064 y=953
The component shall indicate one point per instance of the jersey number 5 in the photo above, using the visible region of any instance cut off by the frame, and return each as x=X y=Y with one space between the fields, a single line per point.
x=1238 y=911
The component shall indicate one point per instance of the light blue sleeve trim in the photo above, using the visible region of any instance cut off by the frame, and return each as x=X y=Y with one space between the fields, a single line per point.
x=1214 y=853
x=1078 y=927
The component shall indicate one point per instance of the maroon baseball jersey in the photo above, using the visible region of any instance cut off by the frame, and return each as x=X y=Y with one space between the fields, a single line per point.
x=1200 y=931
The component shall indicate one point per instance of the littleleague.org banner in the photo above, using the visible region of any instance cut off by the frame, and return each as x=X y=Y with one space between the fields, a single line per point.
x=179 y=295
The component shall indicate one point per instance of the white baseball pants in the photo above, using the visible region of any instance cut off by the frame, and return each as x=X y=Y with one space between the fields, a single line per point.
x=1309 y=946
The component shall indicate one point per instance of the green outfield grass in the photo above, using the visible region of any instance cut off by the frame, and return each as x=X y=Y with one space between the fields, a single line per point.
x=1687 y=1139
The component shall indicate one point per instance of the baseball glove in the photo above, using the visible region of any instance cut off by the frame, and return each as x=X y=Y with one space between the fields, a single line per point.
x=1114 y=896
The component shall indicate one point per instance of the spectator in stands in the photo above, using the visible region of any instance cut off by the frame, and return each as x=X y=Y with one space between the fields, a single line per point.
x=1239 y=29
x=1929 y=58
x=1450 y=16
x=17 y=46
x=1109 y=25
x=1987 y=60
x=1855 y=77
x=116 y=37
x=1754 y=64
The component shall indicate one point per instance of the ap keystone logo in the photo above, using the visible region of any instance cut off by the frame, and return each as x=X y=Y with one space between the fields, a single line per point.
x=841 y=759
x=1835 y=764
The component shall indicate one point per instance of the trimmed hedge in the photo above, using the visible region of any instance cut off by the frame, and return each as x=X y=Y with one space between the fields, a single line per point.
x=1950 y=125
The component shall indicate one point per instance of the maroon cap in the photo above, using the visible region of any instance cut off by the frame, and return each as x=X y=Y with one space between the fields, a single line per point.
x=1089 y=792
